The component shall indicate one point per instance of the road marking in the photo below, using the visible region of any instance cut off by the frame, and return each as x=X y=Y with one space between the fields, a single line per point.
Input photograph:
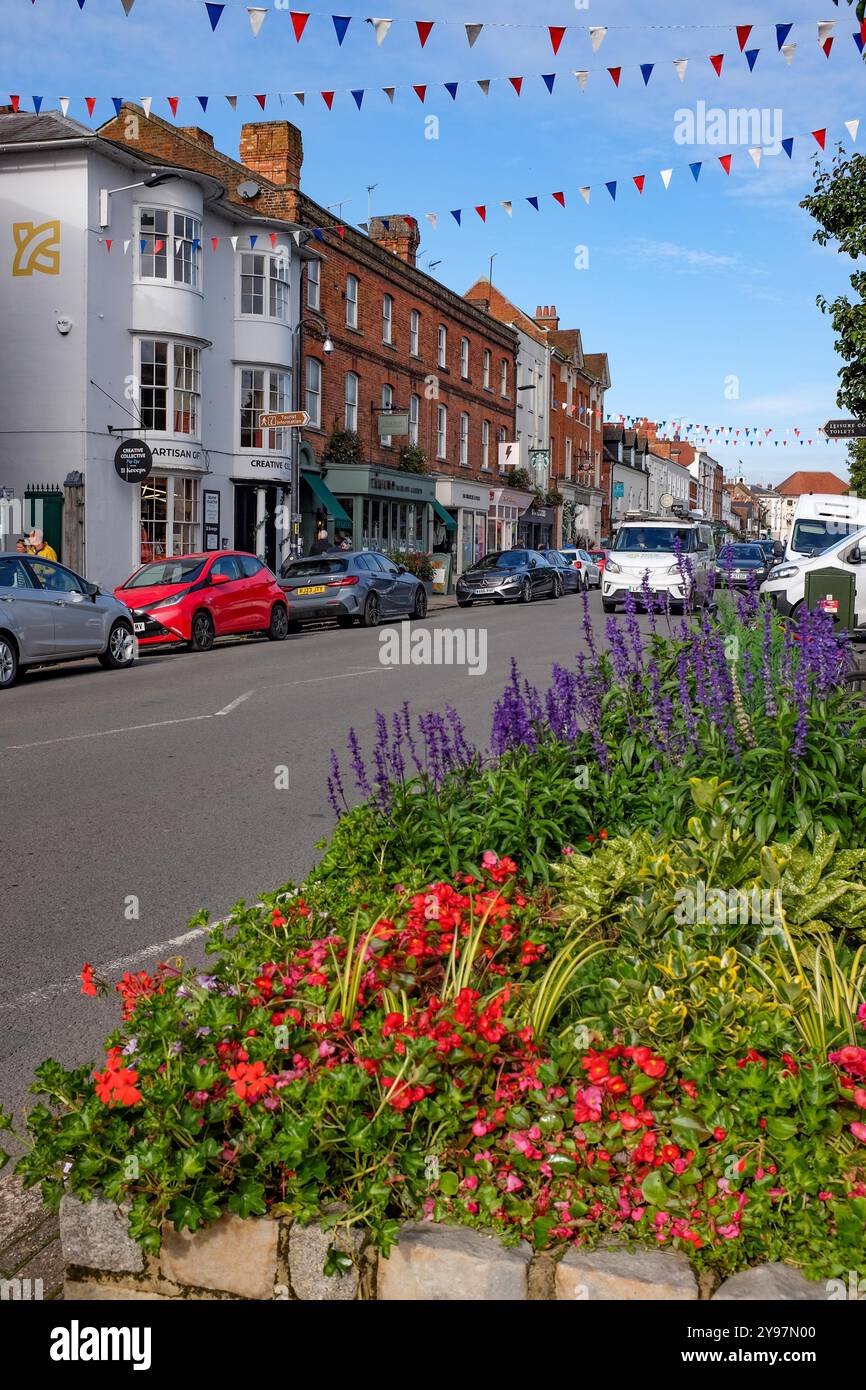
x=234 y=704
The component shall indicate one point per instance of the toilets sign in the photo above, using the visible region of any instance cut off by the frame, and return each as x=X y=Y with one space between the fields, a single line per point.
x=845 y=429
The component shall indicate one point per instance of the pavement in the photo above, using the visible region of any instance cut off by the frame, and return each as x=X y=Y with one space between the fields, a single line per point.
x=135 y=798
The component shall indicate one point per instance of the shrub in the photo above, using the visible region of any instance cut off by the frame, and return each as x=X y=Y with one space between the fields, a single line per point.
x=414 y=561
x=344 y=446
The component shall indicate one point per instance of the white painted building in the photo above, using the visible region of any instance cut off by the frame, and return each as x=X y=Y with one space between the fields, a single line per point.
x=161 y=338
x=667 y=478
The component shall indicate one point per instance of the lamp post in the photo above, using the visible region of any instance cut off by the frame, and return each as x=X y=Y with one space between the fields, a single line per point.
x=298 y=404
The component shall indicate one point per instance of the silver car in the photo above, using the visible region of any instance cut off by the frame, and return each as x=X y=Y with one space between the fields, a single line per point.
x=48 y=613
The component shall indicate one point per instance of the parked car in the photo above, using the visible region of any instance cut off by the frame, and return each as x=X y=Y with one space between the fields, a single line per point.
x=518 y=575
x=742 y=564
x=773 y=551
x=49 y=613
x=600 y=558
x=676 y=559
x=351 y=586
x=193 y=599
x=587 y=568
x=572 y=582
x=786 y=582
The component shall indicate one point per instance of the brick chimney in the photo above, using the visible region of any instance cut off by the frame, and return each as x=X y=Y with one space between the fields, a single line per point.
x=195 y=132
x=398 y=234
x=547 y=318
x=274 y=149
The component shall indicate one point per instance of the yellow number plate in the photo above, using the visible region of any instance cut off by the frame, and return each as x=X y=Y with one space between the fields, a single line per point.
x=312 y=589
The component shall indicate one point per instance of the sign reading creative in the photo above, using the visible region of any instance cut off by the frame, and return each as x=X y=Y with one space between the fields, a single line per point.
x=133 y=461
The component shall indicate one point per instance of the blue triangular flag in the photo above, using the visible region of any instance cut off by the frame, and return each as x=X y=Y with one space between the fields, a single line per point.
x=858 y=39
x=456 y=214
x=196 y=244
x=533 y=201
x=782 y=32
x=214 y=14
x=116 y=102
x=386 y=223
x=202 y=101
x=752 y=57
x=611 y=188
x=81 y=4
x=451 y=89
x=37 y=104
x=548 y=78
x=696 y=170
x=253 y=239
x=788 y=146
x=359 y=97
x=143 y=246
x=318 y=234
x=646 y=72
x=341 y=24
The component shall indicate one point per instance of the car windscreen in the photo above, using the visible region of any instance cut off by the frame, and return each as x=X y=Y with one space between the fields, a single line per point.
x=503 y=560
x=177 y=571
x=313 y=569
x=740 y=553
x=655 y=538
x=819 y=535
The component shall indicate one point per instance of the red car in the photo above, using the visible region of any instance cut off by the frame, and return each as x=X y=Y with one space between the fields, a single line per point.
x=196 y=598
x=600 y=556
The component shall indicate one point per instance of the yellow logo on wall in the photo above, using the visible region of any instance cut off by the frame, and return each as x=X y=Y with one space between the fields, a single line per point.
x=37 y=248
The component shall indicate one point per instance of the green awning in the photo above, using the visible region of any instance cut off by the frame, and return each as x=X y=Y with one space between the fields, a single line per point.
x=321 y=490
x=450 y=523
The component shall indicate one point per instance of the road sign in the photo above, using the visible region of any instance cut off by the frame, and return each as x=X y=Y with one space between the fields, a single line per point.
x=284 y=420
x=845 y=429
x=133 y=461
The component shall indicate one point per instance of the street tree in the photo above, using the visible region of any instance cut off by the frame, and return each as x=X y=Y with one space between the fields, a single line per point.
x=838 y=206
x=857 y=466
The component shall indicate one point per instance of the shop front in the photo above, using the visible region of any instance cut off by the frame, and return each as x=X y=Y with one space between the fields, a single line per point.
x=262 y=504
x=170 y=504
x=505 y=508
x=536 y=528
x=466 y=506
x=387 y=508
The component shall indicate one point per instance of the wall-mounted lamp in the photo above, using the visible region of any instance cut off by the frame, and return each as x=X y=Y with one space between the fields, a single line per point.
x=152 y=181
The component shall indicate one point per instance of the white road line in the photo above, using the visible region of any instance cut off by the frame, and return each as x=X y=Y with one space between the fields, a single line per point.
x=234 y=704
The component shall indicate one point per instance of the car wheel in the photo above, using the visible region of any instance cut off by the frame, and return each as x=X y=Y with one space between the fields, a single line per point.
x=203 y=633
x=420 y=607
x=607 y=606
x=525 y=595
x=371 y=611
x=279 y=628
x=8 y=662
x=464 y=603
x=555 y=588
x=120 y=651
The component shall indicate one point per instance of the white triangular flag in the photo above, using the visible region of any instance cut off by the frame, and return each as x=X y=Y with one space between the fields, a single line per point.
x=64 y=105
x=681 y=64
x=596 y=34
x=381 y=26
x=234 y=242
x=233 y=102
x=257 y=18
x=825 y=29
x=509 y=207
x=300 y=96
x=178 y=243
x=472 y=32
x=756 y=154
x=126 y=246
x=389 y=93
x=666 y=174
x=146 y=103
x=581 y=79
x=484 y=84
x=584 y=193
x=852 y=128
x=788 y=51
x=433 y=219
x=297 y=237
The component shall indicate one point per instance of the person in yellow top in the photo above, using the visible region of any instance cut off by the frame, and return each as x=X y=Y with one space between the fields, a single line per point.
x=39 y=546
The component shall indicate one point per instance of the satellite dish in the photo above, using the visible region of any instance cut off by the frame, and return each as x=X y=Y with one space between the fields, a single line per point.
x=248 y=189
x=667 y=501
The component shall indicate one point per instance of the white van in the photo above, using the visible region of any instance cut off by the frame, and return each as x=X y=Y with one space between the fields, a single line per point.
x=786 y=584
x=646 y=548
x=820 y=520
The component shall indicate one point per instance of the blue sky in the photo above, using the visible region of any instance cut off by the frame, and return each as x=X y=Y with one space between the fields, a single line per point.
x=684 y=289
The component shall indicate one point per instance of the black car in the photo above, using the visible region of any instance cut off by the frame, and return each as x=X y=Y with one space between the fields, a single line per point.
x=571 y=580
x=772 y=551
x=741 y=565
x=516 y=575
x=350 y=586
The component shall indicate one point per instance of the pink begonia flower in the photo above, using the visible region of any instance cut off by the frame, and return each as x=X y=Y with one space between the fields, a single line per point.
x=860 y=1097
x=859 y=1131
x=825 y=1196
x=513 y=1183
x=472 y=1208
x=661 y=1218
x=471 y=1182
x=729 y=1232
x=489 y=859
x=861 y=1015
x=638 y=1213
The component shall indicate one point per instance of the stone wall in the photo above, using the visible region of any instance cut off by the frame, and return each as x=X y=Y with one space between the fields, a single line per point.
x=267 y=1259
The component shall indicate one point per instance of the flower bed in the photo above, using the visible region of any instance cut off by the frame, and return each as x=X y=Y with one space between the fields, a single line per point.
x=551 y=1017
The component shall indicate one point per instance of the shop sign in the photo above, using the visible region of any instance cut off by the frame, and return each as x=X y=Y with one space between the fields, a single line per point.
x=168 y=453
x=211 y=514
x=133 y=461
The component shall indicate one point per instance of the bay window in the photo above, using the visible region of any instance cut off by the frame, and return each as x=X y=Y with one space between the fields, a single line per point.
x=170 y=386
x=169 y=517
x=263 y=389
x=264 y=285
x=169 y=247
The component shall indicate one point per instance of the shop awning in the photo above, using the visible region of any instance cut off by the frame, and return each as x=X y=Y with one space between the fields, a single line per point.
x=320 y=489
x=445 y=517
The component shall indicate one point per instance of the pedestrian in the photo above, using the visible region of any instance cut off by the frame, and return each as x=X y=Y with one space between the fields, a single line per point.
x=39 y=546
x=21 y=546
x=320 y=544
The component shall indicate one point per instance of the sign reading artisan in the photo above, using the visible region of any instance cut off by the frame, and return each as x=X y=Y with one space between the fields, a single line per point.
x=133 y=461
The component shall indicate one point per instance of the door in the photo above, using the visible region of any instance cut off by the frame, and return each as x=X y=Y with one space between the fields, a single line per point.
x=228 y=602
x=26 y=610
x=256 y=583
x=384 y=583
x=79 y=626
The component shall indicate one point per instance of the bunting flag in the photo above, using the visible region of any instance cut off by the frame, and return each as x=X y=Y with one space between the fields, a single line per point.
x=146 y=103
x=299 y=23
x=581 y=79
x=788 y=51
x=756 y=155
x=639 y=179
x=257 y=15
x=533 y=202
x=359 y=97
x=557 y=34
x=64 y=105
x=451 y=89
x=559 y=198
x=782 y=32
x=457 y=215
x=696 y=170
x=680 y=64
x=433 y=219
x=743 y=32
x=127 y=5
x=717 y=59
x=233 y=102
x=853 y=127
x=827 y=45
x=615 y=73
x=425 y=28
x=302 y=97
x=825 y=29
x=421 y=93
x=788 y=146
x=108 y=244
x=666 y=175
x=214 y=14
x=725 y=161
x=646 y=70
x=596 y=35
x=517 y=83
x=484 y=84
x=482 y=212
x=328 y=99
x=611 y=188
x=389 y=93
x=262 y=98
x=752 y=58
x=472 y=32
x=381 y=27
x=89 y=102
x=117 y=103
x=341 y=24
x=821 y=137
x=508 y=208
x=585 y=194
x=202 y=101
x=172 y=104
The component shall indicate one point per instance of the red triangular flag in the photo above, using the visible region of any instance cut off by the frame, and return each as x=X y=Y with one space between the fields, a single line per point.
x=560 y=198
x=273 y=240
x=16 y=99
x=717 y=59
x=213 y=242
x=615 y=73
x=341 y=233
x=172 y=101
x=108 y=244
x=821 y=136
x=517 y=83
x=299 y=23
x=261 y=99
x=424 y=27
x=557 y=34
x=482 y=212
x=827 y=45
x=863 y=31
x=158 y=245
x=89 y=102
x=743 y=32
x=420 y=92
x=725 y=161
x=639 y=181
x=328 y=99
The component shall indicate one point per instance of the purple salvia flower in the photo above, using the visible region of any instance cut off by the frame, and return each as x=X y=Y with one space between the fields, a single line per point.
x=358 y=767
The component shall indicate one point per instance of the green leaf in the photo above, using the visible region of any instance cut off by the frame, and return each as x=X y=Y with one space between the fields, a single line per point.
x=654 y=1190
x=449 y=1184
